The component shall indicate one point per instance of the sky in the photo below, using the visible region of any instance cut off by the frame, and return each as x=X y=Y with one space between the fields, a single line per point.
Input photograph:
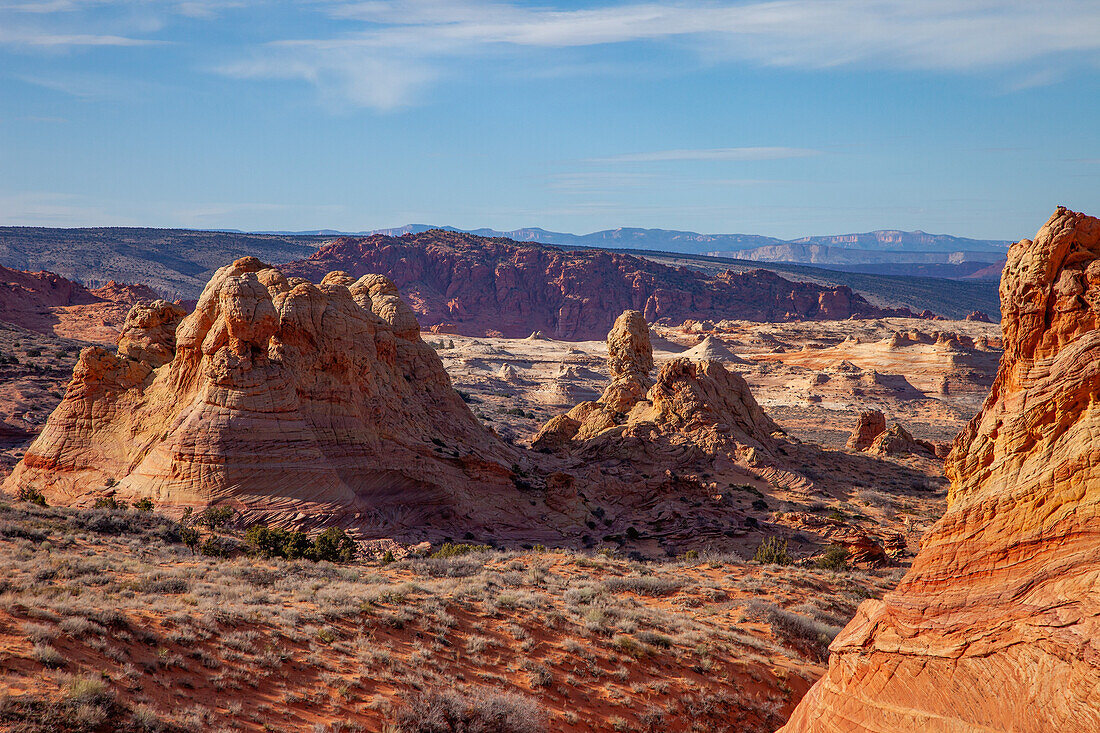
x=782 y=117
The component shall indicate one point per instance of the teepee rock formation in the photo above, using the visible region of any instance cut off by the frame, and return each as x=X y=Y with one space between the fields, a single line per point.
x=696 y=405
x=997 y=624
x=280 y=397
x=869 y=426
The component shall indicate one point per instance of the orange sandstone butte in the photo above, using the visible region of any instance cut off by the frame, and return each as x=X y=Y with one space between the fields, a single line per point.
x=996 y=626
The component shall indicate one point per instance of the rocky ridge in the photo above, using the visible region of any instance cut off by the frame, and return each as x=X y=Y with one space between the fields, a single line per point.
x=474 y=285
x=49 y=304
x=995 y=626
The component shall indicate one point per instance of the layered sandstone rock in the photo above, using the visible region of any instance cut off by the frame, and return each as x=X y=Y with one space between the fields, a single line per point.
x=698 y=405
x=870 y=424
x=897 y=441
x=278 y=396
x=997 y=624
x=980 y=316
x=480 y=286
x=50 y=304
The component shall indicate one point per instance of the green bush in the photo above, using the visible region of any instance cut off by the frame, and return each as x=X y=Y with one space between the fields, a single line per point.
x=451 y=549
x=216 y=517
x=333 y=545
x=34 y=496
x=278 y=542
x=189 y=536
x=110 y=502
x=214 y=546
x=835 y=558
x=773 y=550
x=144 y=504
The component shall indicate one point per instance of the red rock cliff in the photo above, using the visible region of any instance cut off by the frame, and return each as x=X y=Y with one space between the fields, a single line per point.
x=996 y=627
x=475 y=285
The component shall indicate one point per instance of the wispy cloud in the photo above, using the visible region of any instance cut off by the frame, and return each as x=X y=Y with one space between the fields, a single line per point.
x=719 y=154
x=54 y=209
x=385 y=54
x=401 y=47
x=59 y=40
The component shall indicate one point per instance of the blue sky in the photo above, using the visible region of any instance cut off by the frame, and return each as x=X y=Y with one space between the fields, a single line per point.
x=785 y=118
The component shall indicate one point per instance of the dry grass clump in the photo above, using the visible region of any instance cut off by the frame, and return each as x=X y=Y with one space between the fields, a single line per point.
x=476 y=710
x=255 y=643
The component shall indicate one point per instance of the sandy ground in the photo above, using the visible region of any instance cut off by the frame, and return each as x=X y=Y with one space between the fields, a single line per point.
x=594 y=642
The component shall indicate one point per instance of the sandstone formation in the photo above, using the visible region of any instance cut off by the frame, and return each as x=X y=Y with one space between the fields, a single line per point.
x=897 y=441
x=50 y=304
x=871 y=423
x=697 y=403
x=997 y=624
x=279 y=397
x=476 y=285
x=711 y=348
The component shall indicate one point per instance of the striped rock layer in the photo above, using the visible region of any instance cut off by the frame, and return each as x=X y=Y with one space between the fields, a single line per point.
x=278 y=396
x=996 y=627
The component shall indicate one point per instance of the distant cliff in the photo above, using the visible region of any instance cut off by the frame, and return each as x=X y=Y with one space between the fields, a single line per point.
x=477 y=285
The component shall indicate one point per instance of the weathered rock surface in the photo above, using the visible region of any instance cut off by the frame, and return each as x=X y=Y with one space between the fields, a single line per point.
x=870 y=424
x=484 y=286
x=280 y=397
x=997 y=624
x=692 y=403
x=981 y=316
x=897 y=441
x=50 y=304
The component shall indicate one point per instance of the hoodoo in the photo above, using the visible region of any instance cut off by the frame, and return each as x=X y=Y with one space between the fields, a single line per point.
x=691 y=403
x=280 y=397
x=997 y=624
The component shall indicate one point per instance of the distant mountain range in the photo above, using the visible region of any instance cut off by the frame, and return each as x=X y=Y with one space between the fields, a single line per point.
x=178 y=262
x=767 y=248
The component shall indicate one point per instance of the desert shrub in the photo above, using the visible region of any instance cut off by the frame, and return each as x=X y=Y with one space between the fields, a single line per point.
x=110 y=522
x=190 y=537
x=48 y=656
x=31 y=495
x=538 y=675
x=643 y=585
x=446 y=567
x=110 y=502
x=87 y=706
x=476 y=710
x=655 y=638
x=629 y=645
x=334 y=545
x=773 y=550
x=77 y=626
x=168 y=586
x=216 y=517
x=835 y=558
x=800 y=629
x=144 y=504
x=13 y=529
x=214 y=546
x=277 y=542
x=451 y=549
